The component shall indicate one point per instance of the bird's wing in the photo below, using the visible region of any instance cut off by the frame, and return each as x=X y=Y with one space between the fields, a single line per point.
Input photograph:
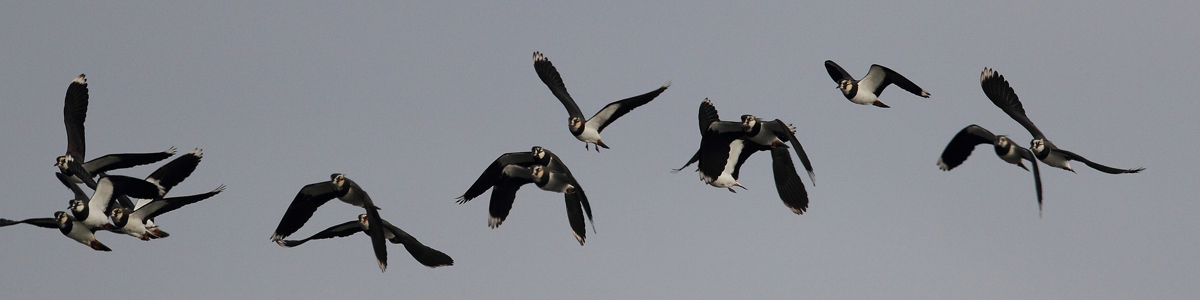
x=74 y=114
x=39 y=222
x=162 y=206
x=1002 y=95
x=881 y=77
x=575 y=216
x=423 y=254
x=307 y=201
x=550 y=77
x=694 y=159
x=782 y=129
x=125 y=160
x=1037 y=175
x=787 y=182
x=174 y=172
x=375 y=231
x=836 y=72
x=1099 y=167
x=962 y=144
x=340 y=230
x=79 y=194
x=715 y=152
x=708 y=114
x=505 y=192
x=492 y=174
x=619 y=108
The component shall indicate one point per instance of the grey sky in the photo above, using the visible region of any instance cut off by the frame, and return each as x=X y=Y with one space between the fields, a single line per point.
x=413 y=100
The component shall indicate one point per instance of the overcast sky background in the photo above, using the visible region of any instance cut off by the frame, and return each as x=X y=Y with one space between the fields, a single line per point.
x=414 y=100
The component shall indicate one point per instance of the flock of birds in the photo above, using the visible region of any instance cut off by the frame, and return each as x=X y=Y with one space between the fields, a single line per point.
x=724 y=148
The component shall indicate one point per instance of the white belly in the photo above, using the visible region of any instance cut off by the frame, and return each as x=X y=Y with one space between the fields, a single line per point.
x=864 y=98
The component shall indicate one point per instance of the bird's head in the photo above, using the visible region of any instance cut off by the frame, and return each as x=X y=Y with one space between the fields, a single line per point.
x=575 y=124
x=76 y=205
x=362 y=219
x=749 y=122
x=61 y=217
x=338 y=179
x=845 y=85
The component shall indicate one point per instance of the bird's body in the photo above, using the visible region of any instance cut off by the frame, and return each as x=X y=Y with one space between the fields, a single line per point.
x=314 y=195
x=963 y=143
x=867 y=90
x=67 y=225
x=1002 y=95
x=587 y=131
x=505 y=175
x=725 y=146
x=424 y=254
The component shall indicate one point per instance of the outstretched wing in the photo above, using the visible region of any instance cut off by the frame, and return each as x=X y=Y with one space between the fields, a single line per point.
x=39 y=222
x=125 y=160
x=307 y=201
x=174 y=172
x=879 y=77
x=340 y=230
x=1037 y=175
x=423 y=254
x=492 y=174
x=782 y=129
x=575 y=216
x=615 y=110
x=79 y=194
x=505 y=192
x=550 y=77
x=836 y=72
x=996 y=88
x=74 y=114
x=962 y=144
x=162 y=206
x=376 y=233
x=1099 y=167
x=787 y=182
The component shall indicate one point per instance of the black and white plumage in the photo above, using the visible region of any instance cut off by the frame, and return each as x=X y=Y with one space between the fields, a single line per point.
x=963 y=143
x=587 y=131
x=868 y=89
x=510 y=171
x=72 y=163
x=137 y=223
x=314 y=195
x=423 y=254
x=725 y=146
x=168 y=176
x=67 y=225
x=93 y=212
x=1001 y=94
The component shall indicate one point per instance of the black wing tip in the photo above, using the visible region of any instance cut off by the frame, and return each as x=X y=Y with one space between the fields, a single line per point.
x=538 y=57
x=81 y=79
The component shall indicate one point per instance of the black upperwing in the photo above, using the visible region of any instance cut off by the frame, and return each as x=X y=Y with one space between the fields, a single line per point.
x=74 y=114
x=550 y=77
x=1002 y=95
x=491 y=175
x=963 y=143
x=340 y=230
x=307 y=201
x=619 y=108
